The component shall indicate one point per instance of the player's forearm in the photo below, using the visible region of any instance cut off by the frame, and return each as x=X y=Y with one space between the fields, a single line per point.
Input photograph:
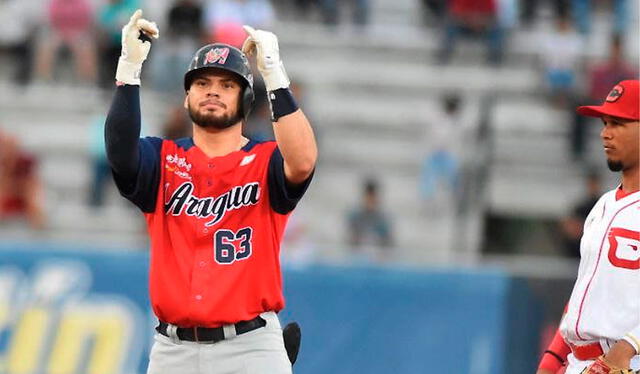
x=555 y=356
x=293 y=132
x=297 y=144
x=633 y=338
x=620 y=354
x=122 y=131
x=122 y=128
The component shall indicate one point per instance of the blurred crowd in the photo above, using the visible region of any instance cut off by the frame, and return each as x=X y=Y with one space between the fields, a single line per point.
x=40 y=40
x=88 y=31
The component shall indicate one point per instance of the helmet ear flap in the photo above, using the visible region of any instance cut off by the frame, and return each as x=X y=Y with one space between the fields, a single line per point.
x=248 y=98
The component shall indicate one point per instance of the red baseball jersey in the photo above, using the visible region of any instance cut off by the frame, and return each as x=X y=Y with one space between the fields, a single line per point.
x=215 y=226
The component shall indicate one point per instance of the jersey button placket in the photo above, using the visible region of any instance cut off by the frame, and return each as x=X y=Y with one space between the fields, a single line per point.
x=200 y=276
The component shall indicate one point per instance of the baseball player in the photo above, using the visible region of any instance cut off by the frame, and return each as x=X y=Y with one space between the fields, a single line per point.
x=601 y=325
x=216 y=205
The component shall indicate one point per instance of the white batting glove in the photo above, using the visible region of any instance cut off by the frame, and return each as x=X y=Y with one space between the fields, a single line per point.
x=265 y=46
x=134 y=50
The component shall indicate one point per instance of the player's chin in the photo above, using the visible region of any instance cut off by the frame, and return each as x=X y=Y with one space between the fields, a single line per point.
x=615 y=165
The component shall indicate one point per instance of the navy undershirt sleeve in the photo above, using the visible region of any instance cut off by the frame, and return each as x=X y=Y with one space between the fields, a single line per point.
x=135 y=162
x=283 y=195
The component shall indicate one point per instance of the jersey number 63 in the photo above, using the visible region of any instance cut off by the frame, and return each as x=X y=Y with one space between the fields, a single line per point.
x=229 y=246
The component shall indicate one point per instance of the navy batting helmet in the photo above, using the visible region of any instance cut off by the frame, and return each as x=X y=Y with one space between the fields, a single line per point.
x=226 y=57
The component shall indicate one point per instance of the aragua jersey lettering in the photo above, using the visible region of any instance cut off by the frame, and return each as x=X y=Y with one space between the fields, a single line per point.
x=183 y=199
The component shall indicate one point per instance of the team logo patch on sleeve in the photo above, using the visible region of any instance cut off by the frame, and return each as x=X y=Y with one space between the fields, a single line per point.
x=217 y=55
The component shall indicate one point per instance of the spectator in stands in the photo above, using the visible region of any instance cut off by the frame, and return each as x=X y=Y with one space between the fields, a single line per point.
x=571 y=225
x=507 y=15
x=69 y=24
x=478 y=18
x=302 y=8
x=582 y=15
x=530 y=9
x=331 y=11
x=18 y=30
x=368 y=225
x=433 y=11
x=111 y=17
x=185 y=33
x=21 y=194
x=560 y=54
x=443 y=143
x=616 y=68
x=224 y=19
x=185 y=22
x=601 y=77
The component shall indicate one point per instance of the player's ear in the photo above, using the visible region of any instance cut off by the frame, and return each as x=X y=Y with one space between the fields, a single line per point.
x=186 y=100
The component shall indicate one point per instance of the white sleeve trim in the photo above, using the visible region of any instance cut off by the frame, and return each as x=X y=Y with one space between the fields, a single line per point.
x=633 y=339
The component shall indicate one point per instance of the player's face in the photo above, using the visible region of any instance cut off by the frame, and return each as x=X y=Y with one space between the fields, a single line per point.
x=213 y=100
x=621 y=140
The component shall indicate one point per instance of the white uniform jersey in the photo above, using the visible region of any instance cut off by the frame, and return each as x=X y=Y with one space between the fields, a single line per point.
x=605 y=302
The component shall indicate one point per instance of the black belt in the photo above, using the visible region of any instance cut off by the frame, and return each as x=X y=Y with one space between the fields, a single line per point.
x=211 y=334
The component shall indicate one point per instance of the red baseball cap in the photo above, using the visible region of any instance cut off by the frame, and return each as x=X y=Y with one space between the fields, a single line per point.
x=623 y=102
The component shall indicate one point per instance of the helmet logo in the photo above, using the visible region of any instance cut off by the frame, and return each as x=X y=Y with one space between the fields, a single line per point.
x=216 y=55
x=615 y=93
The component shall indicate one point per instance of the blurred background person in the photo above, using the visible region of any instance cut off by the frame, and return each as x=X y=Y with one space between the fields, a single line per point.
x=433 y=11
x=529 y=9
x=443 y=141
x=616 y=67
x=21 y=193
x=69 y=24
x=572 y=224
x=19 y=21
x=476 y=18
x=560 y=59
x=600 y=77
x=369 y=227
x=583 y=13
x=332 y=10
x=110 y=18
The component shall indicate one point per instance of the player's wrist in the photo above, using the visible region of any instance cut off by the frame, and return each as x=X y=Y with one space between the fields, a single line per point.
x=128 y=72
x=282 y=103
x=633 y=341
x=620 y=354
